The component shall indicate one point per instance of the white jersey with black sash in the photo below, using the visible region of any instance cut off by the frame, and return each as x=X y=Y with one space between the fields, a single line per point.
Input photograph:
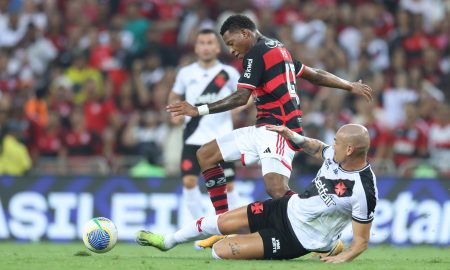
x=329 y=203
x=202 y=86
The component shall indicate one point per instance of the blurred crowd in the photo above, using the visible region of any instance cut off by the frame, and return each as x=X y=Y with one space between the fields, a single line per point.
x=84 y=84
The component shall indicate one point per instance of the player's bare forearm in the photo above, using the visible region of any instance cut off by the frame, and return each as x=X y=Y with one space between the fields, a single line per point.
x=360 y=242
x=325 y=78
x=173 y=98
x=236 y=99
x=354 y=250
x=311 y=146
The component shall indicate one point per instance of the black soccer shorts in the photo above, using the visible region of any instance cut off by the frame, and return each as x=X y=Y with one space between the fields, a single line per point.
x=190 y=166
x=270 y=219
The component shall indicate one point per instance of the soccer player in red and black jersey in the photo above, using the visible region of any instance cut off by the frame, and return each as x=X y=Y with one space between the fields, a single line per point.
x=270 y=76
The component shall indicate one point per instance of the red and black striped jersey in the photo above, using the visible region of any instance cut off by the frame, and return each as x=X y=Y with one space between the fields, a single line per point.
x=270 y=72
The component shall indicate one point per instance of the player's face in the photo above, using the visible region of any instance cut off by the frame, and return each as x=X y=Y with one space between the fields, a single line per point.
x=207 y=47
x=238 y=42
x=340 y=149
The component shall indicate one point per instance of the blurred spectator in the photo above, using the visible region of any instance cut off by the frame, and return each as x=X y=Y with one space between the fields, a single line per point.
x=395 y=98
x=14 y=157
x=35 y=52
x=368 y=115
x=61 y=99
x=79 y=72
x=8 y=82
x=101 y=117
x=146 y=136
x=49 y=142
x=36 y=108
x=439 y=140
x=136 y=25
x=78 y=140
x=12 y=29
x=409 y=139
x=150 y=70
x=376 y=48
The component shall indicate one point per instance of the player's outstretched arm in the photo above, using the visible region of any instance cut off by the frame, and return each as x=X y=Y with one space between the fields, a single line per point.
x=236 y=99
x=360 y=242
x=324 y=78
x=311 y=146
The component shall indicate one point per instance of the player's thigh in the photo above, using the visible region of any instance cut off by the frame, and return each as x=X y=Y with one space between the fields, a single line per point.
x=276 y=184
x=271 y=221
x=246 y=246
x=272 y=146
x=234 y=221
x=239 y=145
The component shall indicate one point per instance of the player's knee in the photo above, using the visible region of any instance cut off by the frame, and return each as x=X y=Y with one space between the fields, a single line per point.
x=206 y=157
x=276 y=191
x=190 y=182
x=219 y=251
x=202 y=154
x=230 y=186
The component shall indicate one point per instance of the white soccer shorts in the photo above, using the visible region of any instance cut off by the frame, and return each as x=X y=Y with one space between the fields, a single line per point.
x=253 y=144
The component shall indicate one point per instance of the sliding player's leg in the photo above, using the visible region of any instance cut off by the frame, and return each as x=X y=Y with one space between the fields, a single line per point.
x=247 y=246
x=272 y=235
x=234 y=221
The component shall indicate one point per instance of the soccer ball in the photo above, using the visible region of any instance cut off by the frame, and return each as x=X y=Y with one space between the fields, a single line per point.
x=100 y=235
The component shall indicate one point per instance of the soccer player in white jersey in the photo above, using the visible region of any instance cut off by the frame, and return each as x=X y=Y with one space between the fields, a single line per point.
x=204 y=81
x=344 y=191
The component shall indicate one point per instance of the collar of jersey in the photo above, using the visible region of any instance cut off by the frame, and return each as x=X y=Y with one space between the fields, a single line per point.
x=356 y=171
x=210 y=68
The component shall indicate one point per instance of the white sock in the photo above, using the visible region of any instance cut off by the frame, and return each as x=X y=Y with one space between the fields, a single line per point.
x=214 y=254
x=234 y=201
x=193 y=200
x=202 y=226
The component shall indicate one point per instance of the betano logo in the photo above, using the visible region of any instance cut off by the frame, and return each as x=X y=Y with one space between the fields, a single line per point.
x=322 y=190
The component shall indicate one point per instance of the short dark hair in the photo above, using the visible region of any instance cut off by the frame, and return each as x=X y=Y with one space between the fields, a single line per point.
x=206 y=31
x=236 y=22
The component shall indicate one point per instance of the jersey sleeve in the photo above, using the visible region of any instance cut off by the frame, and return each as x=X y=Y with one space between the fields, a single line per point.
x=365 y=200
x=253 y=65
x=327 y=152
x=299 y=68
x=179 y=86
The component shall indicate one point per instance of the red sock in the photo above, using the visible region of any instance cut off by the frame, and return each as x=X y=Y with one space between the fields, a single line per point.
x=216 y=184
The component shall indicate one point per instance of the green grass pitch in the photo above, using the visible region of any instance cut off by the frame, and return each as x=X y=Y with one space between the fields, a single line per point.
x=48 y=256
